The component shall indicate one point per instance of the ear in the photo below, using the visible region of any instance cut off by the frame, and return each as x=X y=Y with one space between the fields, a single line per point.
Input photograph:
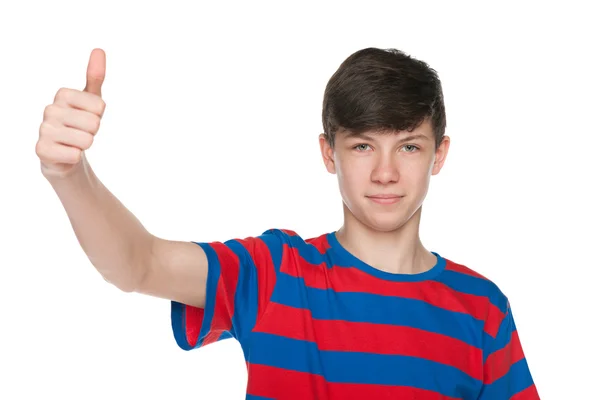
x=327 y=154
x=440 y=155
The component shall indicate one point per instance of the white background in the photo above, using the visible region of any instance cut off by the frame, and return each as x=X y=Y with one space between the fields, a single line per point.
x=210 y=133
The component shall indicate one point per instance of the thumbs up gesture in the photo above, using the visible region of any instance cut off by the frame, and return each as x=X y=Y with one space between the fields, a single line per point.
x=72 y=121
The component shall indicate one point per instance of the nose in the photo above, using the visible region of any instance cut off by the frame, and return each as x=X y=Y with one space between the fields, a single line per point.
x=385 y=171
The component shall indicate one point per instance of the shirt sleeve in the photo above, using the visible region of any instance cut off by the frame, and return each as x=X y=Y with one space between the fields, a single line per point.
x=241 y=278
x=506 y=375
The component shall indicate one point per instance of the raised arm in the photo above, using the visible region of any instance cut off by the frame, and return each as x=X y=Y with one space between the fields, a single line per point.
x=114 y=240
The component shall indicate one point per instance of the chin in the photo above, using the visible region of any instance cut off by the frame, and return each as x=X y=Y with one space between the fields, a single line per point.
x=385 y=221
x=387 y=226
x=381 y=222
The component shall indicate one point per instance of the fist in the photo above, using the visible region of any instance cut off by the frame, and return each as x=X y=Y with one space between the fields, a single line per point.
x=71 y=122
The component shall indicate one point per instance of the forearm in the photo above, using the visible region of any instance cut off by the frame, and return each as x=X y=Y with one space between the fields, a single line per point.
x=114 y=240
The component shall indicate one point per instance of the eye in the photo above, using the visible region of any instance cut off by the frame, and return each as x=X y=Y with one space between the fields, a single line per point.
x=413 y=146
x=359 y=145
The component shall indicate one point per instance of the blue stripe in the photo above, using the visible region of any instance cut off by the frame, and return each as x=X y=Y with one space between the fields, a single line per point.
x=178 y=321
x=251 y=397
x=178 y=325
x=245 y=307
x=365 y=368
x=309 y=252
x=503 y=337
x=246 y=294
x=475 y=286
x=516 y=380
x=245 y=299
x=343 y=259
x=214 y=273
x=312 y=255
x=274 y=239
x=326 y=304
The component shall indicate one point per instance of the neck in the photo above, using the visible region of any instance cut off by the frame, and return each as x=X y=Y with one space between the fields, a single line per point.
x=397 y=251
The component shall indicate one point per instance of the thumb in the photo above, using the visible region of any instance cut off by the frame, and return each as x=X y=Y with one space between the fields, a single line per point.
x=95 y=72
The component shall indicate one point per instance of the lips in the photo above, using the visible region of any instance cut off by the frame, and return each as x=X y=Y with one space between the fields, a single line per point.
x=385 y=198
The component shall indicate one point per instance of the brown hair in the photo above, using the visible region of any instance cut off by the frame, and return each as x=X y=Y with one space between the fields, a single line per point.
x=385 y=91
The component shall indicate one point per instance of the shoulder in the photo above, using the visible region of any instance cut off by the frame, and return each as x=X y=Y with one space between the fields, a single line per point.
x=298 y=250
x=469 y=281
x=293 y=239
x=282 y=233
x=274 y=241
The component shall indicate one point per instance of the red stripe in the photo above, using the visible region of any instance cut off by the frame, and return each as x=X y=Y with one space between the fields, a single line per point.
x=226 y=287
x=224 y=300
x=211 y=337
x=498 y=363
x=265 y=270
x=193 y=323
x=530 y=393
x=452 y=266
x=365 y=337
x=320 y=243
x=284 y=384
x=355 y=280
x=221 y=319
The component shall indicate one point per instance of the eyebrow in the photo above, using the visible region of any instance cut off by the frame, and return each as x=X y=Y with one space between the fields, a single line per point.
x=404 y=139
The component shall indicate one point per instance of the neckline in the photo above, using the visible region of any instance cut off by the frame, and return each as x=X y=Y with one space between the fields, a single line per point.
x=349 y=259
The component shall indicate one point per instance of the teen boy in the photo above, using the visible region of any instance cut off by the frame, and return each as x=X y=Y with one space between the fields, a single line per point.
x=363 y=312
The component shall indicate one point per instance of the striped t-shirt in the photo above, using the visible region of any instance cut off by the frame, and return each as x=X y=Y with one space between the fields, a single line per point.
x=316 y=322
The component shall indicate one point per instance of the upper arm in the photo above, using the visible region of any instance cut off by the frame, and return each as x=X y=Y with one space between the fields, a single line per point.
x=217 y=289
x=176 y=271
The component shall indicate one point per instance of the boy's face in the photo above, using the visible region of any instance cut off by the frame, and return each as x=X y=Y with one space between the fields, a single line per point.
x=376 y=164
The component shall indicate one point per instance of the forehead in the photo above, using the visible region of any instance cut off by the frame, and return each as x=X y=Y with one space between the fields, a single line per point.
x=422 y=132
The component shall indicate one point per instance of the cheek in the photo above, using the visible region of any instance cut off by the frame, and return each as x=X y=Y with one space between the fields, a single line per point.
x=419 y=184
x=351 y=179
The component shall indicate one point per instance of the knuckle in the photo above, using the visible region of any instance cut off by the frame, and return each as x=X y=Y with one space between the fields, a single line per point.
x=40 y=149
x=61 y=93
x=45 y=129
x=96 y=123
x=49 y=111
x=87 y=142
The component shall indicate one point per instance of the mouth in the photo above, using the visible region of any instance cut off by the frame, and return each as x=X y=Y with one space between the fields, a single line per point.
x=385 y=198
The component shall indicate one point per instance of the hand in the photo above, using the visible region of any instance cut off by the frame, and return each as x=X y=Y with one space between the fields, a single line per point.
x=72 y=121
